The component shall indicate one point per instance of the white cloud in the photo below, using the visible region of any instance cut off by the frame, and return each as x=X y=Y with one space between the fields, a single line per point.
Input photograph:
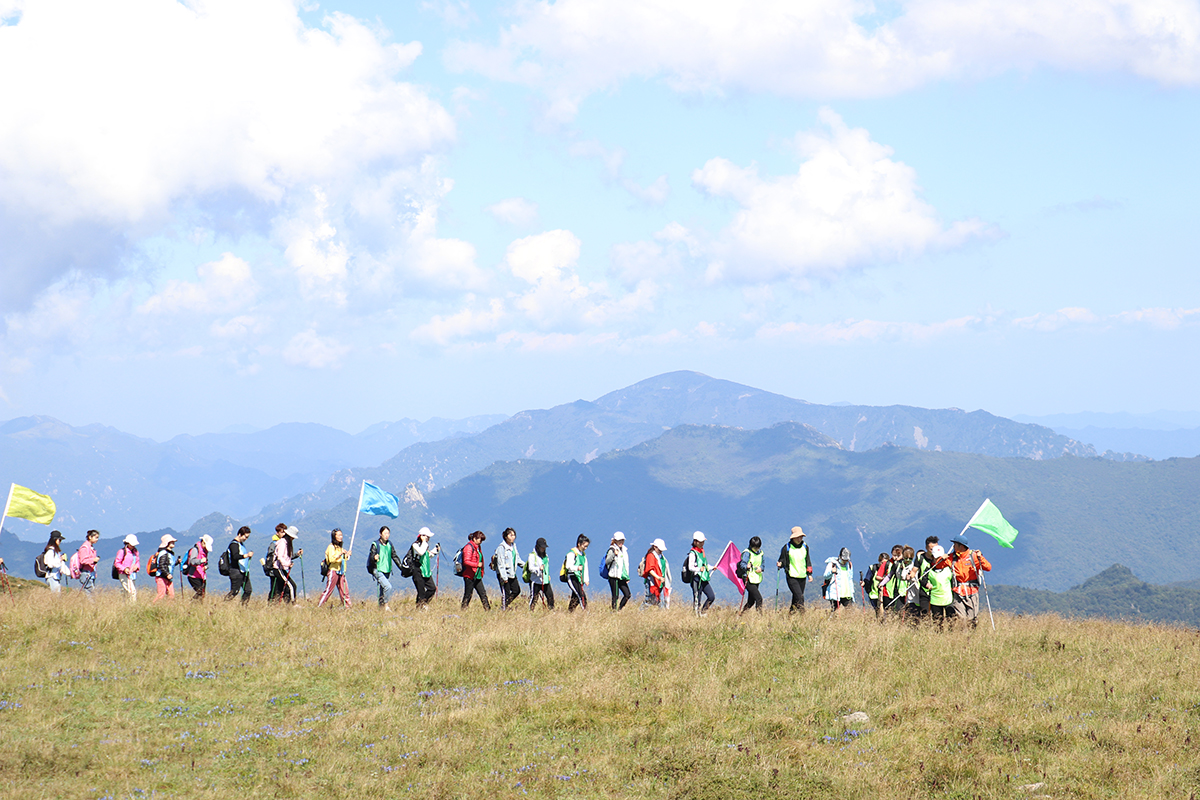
x=1054 y=320
x=851 y=330
x=827 y=48
x=655 y=260
x=307 y=349
x=515 y=211
x=238 y=327
x=655 y=193
x=464 y=324
x=849 y=206
x=613 y=161
x=224 y=284
x=1166 y=319
x=205 y=102
x=1161 y=318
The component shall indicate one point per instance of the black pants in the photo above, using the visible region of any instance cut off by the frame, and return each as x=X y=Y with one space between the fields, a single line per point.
x=510 y=590
x=939 y=614
x=578 y=595
x=545 y=590
x=425 y=589
x=621 y=587
x=239 y=582
x=475 y=585
x=796 y=587
x=702 y=589
x=841 y=602
x=283 y=588
x=753 y=598
x=198 y=586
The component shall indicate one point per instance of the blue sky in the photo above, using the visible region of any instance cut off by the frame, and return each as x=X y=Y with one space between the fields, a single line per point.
x=215 y=213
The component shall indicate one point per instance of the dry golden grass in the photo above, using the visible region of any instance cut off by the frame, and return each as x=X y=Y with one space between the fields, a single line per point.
x=105 y=699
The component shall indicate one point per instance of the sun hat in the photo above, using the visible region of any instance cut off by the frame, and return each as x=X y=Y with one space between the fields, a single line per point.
x=207 y=540
x=960 y=539
x=620 y=537
x=166 y=540
x=292 y=532
x=131 y=540
x=797 y=533
x=425 y=532
x=660 y=544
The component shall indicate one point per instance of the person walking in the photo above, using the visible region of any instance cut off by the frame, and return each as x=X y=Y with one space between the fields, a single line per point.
x=196 y=566
x=380 y=560
x=967 y=564
x=164 y=560
x=422 y=574
x=924 y=563
x=839 y=580
x=891 y=584
x=508 y=567
x=539 y=576
x=576 y=570
x=87 y=560
x=56 y=565
x=284 y=554
x=472 y=570
x=239 y=566
x=275 y=583
x=939 y=585
x=697 y=567
x=616 y=565
x=335 y=569
x=796 y=562
x=655 y=572
x=751 y=567
x=872 y=582
x=127 y=564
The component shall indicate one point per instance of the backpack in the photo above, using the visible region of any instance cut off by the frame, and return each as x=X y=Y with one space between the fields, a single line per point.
x=685 y=574
x=191 y=563
x=526 y=575
x=152 y=565
x=116 y=573
x=408 y=564
x=643 y=572
x=74 y=566
x=223 y=563
x=372 y=557
x=494 y=564
x=562 y=573
x=324 y=568
x=459 y=568
x=604 y=566
x=741 y=570
x=39 y=566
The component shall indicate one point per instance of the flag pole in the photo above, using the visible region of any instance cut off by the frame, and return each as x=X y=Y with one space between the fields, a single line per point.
x=973 y=516
x=361 y=489
x=4 y=516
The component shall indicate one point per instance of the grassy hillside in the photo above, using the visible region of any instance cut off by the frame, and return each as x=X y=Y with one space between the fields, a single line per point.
x=108 y=700
x=1116 y=593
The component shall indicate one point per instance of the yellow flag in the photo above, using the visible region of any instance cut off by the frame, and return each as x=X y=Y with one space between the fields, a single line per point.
x=27 y=504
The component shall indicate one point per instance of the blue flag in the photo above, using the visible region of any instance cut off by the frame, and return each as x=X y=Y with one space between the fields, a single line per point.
x=377 y=501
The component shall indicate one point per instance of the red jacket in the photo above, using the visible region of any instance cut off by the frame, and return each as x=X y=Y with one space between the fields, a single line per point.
x=472 y=560
x=967 y=572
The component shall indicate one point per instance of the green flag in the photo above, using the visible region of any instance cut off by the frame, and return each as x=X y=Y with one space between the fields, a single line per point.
x=27 y=504
x=989 y=520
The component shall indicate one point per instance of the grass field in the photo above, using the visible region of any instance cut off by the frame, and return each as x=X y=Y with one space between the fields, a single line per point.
x=103 y=699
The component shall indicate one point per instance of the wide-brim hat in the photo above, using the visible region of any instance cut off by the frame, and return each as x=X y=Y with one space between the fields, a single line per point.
x=131 y=540
x=660 y=544
x=797 y=533
x=292 y=532
x=166 y=540
x=207 y=541
x=960 y=539
x=425 y=532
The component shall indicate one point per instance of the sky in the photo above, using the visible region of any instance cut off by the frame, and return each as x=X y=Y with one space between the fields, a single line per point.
x=228 y=212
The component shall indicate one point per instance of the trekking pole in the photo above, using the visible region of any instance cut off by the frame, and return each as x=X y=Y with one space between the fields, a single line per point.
x=7 y=585
x=777 y=588
x=303 y=588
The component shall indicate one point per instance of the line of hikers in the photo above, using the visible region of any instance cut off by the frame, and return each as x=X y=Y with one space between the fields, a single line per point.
x=907 y=584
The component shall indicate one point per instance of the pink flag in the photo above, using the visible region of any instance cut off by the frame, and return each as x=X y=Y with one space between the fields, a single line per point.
x=728 y=565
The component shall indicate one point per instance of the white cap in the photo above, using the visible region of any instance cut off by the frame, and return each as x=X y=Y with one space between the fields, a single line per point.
x=292 y=531
x=166 y=540
x=620 y=537
x=937 y=551
x=660 y=544
x=425 y=532
x=207 y=541
x=698 y=536
x=131 y=540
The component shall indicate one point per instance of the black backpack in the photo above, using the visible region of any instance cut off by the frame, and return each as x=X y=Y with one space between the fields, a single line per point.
x=741 y=570
x=223 y=563
x=39 y=565
x=324 y=568
x=685 y=574
x=372 y=557
x=408 y=564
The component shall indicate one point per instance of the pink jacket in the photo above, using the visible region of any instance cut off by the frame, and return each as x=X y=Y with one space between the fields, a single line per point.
x=127 y=561
x=201 y=570
x=282 y=560
x=87 y=557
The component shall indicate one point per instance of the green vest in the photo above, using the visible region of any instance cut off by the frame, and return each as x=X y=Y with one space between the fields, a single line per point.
x=754 y=573
x=939 y=587
x=383 y=562
x=426 y=564
x=797 y=558
x=702 y=571
x=873 y=582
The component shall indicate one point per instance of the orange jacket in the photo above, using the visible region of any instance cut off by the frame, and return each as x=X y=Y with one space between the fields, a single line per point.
x=967 y=573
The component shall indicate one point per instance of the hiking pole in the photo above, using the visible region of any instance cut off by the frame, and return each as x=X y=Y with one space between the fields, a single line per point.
x=777 y=588
x=7 y=585
x=303 y=588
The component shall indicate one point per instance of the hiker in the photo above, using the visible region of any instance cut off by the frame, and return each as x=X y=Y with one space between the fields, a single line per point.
x=696 y=569
x=86 y=561
x=196 y=567
x=380 y=560
x=938 y=582
x=923 y=563
x=655 y=571
x=839 y=580
x=422 y=574
x=616 y=568
x=335 y=569
x=284 y=552
x=472 y=570
x=575 y=572
x=750 y=569
x=164 y=561
x=239 y=566
x=508 y=567
x=966 y=564
x=911 y=609
x=126 y=565
x=538 y=570
x=890 y=582
x=276 y=584
x=872 y=581
x=54 y=564
x=796 y=562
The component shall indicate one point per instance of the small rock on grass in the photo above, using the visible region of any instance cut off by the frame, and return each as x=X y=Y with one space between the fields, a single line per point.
x=857 y=718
